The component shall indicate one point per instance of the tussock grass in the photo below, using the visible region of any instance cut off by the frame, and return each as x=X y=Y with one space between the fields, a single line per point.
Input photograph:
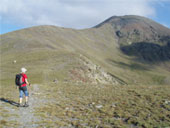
x=85 y=105
x=121 y=106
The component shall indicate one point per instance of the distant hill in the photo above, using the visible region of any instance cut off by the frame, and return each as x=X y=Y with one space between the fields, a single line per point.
x=120 y=50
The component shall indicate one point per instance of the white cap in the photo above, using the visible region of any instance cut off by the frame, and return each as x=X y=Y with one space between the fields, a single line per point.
x=23 y=70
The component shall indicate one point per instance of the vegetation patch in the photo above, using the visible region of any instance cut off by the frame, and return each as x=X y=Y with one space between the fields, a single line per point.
x=106 y=106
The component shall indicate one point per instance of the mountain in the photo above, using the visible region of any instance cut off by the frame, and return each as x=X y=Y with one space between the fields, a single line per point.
x=120 y=50
x=131 y=28
x=141 y=37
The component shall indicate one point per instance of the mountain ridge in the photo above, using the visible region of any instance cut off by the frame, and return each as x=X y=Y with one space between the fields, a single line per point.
x=95 y=77
x=102 y=45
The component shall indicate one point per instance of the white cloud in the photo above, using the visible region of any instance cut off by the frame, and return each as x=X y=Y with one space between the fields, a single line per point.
x=70 y=13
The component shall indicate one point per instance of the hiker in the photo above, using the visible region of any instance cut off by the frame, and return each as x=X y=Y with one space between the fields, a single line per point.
x=23 y=88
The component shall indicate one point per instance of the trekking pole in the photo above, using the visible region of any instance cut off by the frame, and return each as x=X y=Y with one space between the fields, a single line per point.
x=29 y=87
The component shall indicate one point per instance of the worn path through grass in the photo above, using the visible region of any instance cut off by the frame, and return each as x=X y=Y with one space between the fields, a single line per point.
x=13 y=116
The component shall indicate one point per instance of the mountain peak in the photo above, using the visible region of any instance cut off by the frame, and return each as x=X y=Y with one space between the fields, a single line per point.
x=136 y=29
x=122 y=20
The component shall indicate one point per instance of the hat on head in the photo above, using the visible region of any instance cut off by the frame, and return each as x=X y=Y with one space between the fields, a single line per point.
x=23 y=70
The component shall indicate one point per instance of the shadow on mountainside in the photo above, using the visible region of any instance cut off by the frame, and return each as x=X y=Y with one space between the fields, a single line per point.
x=148 y=52
x=9 y=101
x=132 y=66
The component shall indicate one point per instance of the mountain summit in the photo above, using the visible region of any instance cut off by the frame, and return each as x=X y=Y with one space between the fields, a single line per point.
x=141 y=37
x=133 y=28
x=120 y=50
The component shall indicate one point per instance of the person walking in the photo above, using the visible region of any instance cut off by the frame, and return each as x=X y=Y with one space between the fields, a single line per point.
x=23 y=88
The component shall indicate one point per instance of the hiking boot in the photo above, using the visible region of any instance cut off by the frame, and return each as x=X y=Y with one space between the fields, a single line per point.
x=20 y=105
x=26 y=104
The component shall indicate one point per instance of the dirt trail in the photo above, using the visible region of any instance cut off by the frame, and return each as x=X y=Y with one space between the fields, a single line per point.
x=24 y=116
x=28 y=113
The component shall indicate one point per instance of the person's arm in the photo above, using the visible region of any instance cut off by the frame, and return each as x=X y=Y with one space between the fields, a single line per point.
x=27 y=82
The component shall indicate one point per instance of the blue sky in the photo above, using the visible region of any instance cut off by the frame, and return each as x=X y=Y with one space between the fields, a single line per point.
x=79 y=14
x=162 y=12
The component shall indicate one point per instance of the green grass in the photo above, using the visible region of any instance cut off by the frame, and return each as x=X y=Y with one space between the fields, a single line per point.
x=51 y=53
x=75 y=105
x=5 y=115
x=122 y=106
x=68 y=104
x=159 y=79
x=46 y=47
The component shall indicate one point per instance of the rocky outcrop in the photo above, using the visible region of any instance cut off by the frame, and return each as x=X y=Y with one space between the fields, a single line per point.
x=88 y=72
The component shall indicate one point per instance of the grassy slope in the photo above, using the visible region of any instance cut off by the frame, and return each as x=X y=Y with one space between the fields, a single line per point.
x=121 y=106
x=50 y=52
x=44 y=46
x=86 y=106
